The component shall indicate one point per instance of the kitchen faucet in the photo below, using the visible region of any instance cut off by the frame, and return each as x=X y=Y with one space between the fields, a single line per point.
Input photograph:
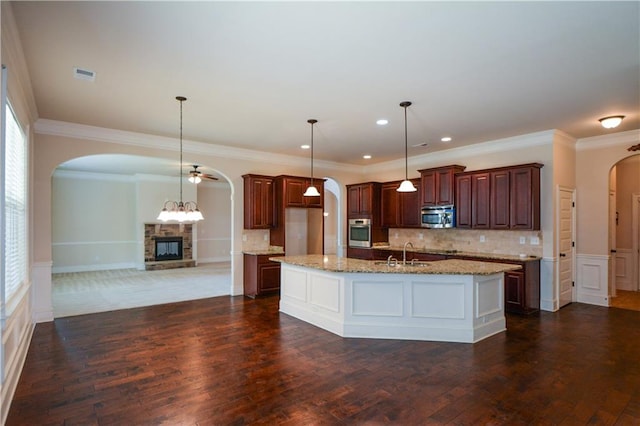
x=404 y=251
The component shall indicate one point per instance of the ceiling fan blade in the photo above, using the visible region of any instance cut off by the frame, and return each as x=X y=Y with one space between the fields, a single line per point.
x=207 y=176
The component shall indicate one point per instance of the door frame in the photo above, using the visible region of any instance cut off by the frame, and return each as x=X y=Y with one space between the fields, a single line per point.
x=574 y=291
x=635 y=240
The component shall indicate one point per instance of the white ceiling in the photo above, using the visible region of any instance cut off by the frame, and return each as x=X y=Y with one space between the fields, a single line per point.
x=254 y=72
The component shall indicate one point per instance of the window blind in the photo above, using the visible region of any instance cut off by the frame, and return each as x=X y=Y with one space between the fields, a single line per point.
x=15 y=205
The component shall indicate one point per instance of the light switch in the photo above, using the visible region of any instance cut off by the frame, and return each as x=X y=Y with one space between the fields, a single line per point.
x=535 y=241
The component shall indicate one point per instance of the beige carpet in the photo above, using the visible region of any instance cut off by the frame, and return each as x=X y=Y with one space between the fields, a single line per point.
x=90 y=292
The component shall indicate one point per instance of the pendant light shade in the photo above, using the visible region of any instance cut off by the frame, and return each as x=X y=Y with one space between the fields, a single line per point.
x=180 y=211
x=311 y=191
x=406 y=185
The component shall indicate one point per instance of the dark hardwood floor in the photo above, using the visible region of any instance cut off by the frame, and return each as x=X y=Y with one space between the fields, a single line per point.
x=235 y=361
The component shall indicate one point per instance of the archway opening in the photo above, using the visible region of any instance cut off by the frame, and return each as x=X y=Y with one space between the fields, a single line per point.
x=101 y=206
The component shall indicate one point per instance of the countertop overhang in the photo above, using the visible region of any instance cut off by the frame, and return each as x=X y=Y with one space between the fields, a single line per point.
x=332 y=263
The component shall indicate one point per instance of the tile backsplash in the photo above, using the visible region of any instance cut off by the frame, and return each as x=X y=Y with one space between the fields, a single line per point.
x=255 y=239
x=470 y=240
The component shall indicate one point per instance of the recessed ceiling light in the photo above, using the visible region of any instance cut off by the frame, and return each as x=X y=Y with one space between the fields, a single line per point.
x=382 y=122
x=446 y=139
x=305 y=146
x=366 y=157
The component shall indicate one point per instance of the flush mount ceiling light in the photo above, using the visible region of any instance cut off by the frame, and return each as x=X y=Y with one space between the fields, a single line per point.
x=311 y=191
x=406 y=185
x=611 y=122
x=180 y=211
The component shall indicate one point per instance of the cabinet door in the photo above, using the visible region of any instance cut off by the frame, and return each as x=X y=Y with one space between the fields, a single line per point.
x=463 y=201
x=258 y=202
x=353 y=201
x=428 y=188
x=514 y=291
x=294 y=188
x=389 y=198
x=500 y=200
x=480 y=202
x=525 y=198
x=269 y=277
x=445 y=187
x=313 y=201
x=410 y=207
x=366 y=200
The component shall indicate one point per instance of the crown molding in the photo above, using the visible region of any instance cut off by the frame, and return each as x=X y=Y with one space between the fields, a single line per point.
x=630 y=137
x=453 y=155
x=122 y=137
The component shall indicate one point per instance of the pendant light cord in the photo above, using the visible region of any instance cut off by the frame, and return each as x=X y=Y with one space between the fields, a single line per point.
x=181 y=99
x=312 y=154
x=406 y=151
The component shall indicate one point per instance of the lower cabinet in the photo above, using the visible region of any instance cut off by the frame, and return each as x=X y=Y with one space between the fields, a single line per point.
x=360 y=253
x=261 y=275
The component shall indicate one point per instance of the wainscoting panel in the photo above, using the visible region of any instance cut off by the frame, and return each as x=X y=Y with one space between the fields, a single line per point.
x=624 y=269
x=378 y=298
x=592 y=279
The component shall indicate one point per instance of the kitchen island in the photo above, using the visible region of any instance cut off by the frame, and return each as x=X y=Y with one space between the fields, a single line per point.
x=447 y=300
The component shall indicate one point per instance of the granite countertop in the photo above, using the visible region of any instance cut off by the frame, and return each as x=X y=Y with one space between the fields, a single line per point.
x=452 y=252
x=272 y=251
x=442 y=267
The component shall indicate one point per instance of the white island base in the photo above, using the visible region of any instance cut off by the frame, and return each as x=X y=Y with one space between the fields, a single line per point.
x=448 y=308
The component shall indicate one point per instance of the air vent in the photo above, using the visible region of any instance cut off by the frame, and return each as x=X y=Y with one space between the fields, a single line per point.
x=84 y=74
x=423 y=144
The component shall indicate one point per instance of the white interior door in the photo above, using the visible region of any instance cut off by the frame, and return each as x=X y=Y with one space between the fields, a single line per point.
x=567 y=293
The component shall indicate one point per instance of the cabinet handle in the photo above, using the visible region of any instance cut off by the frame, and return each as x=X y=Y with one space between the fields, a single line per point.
x=614 y=251
x=563 y=255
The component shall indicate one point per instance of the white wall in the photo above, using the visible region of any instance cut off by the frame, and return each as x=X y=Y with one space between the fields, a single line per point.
x=214 y=232
x=94 y=225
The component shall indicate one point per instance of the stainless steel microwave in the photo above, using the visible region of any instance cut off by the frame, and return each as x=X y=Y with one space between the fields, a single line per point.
x=359 y=233
x=438 y=216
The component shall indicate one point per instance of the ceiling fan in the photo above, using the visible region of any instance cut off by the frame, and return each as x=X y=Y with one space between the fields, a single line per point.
x=196 y=176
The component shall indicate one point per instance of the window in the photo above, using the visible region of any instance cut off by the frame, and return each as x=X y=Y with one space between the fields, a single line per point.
x=14 y=193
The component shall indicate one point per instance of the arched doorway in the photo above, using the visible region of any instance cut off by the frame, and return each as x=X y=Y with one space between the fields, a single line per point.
x=101 y=205
x=333 y=230
x=624 y=233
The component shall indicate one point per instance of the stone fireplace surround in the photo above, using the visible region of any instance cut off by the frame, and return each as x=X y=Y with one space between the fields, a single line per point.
x=153 y=230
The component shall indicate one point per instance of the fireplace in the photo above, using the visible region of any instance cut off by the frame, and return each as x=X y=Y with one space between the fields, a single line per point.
x=168 y=248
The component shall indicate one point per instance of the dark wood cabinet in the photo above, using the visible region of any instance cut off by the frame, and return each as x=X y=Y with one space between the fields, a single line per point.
x=294 y=188
x=361 y=253
x=501 y=198
x=437 y=185
x=525 y=197
x=389 y=205
x=261 y=275
x=521 y=287
x=258 y=201
x=400 y=209
x=463 y=201
x=363 y=201
x=480 y=201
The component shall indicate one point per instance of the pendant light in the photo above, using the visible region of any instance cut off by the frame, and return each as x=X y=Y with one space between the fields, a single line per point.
x=406 y=185
x=311 y=191
x=180 y=211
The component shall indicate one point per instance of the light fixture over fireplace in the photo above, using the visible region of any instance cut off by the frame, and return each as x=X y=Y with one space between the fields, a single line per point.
x=180 y=211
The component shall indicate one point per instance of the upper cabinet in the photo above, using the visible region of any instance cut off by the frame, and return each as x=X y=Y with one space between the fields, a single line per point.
x=363 y=201
x=400 y=209
x=438 y=185
x=258 y=201
x=293 y=188
x=501 y=198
